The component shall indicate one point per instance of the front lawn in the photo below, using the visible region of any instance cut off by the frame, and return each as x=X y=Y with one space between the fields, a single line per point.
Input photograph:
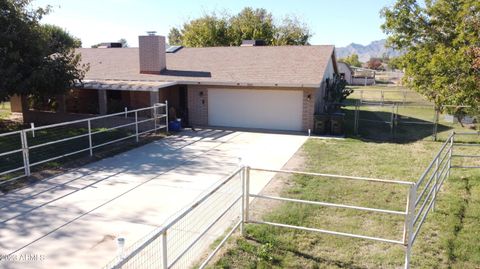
x=449 y=238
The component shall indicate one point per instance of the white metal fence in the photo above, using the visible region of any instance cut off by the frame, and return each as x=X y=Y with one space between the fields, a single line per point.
x=24 y=149
x=181 y=242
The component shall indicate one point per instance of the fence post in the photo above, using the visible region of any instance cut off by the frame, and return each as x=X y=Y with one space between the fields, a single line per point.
x=361 y=96
x=242 y=225
x=356 y=120
x=166 y=115
x=450 y=153
x=164 y=251
x=408 y=228
x=126 y=112
x=392 y=120
x=247 y=193
x=435 y=124
x=90 y=137
x=136 y=125
x=25 y=152
x=435 y=182
x=32 y=126
x=383 y=97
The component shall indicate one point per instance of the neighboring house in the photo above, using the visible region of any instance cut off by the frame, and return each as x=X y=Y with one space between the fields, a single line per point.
x=363 y=76
x=345 y=72
x=278 y=88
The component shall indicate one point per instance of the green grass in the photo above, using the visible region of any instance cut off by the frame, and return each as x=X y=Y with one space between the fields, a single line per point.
x=449 y=238
x=414 y=121
x=5 y=111
x=13 y=142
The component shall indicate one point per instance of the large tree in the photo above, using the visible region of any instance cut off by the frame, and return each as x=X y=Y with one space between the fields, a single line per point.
x=207 y=31
x=212 y=30
x=35 y=59
x=351 y=60
x=442 y=43
x=251 y=24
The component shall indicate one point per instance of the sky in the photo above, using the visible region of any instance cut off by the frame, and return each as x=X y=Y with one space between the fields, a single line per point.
x=337 y=22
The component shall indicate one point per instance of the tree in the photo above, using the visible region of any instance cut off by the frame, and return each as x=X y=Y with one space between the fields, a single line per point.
x=351 y=60
x=207 y=31
x=251 y=24
x=291 y=32
x=336 y=92
x=212 y=30
x=35 y=59
x=374 y=63
x=395 y=63
x=174 y=37
x=441 y=40
x=124 y=42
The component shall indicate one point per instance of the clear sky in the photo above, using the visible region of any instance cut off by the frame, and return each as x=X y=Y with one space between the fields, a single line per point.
x=337 y=22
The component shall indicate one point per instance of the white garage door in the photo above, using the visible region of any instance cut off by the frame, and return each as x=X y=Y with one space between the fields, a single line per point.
x=264 y=109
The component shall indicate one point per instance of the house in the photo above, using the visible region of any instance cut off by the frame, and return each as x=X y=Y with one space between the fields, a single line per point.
x=345 y=72
x=363 y=76
x=277 y=88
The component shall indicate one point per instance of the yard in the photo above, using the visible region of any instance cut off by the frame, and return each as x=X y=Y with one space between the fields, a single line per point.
x=4 y=110
x=449 y=238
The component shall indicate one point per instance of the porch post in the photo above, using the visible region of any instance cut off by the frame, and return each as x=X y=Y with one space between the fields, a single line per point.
x=62 y=107
x=102 y=101
x=154 y=98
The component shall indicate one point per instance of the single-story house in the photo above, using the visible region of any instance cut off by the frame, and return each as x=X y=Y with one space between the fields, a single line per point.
x=264 y=87
x=345 y=72
x=363 y=76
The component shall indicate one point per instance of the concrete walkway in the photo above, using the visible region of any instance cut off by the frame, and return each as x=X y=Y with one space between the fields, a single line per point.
x=72 y=220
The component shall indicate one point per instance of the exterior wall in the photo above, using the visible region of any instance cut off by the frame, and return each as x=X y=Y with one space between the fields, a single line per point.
x=198 y=103
x=16 y=103
x=79 y=104
x=343 y=68
x=139 y=99
x=169 y=94
x=320 y=92
x=82 y=101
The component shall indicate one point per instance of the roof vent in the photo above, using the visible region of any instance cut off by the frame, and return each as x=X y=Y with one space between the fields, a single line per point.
x=173 y=49
x=151 y=33
x=253 y=43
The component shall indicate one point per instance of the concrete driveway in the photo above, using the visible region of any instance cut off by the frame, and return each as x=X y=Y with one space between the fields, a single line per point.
x=71 y=220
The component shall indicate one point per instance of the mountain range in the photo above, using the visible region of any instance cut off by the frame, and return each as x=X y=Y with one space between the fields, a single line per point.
x=374 y=49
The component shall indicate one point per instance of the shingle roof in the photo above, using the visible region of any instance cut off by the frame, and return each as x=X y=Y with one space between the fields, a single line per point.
x=283 y=65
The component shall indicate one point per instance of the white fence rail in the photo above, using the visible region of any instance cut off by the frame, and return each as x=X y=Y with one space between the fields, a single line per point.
x=22 y=150
x=181 y=242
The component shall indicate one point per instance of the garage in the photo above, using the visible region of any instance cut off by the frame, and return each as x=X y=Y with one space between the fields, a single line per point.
x=252 y=108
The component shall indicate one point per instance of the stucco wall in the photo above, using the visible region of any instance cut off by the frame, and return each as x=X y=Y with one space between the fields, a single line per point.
x=198 y=103
x=320 y=92
x=361 y=81
x=343 y=68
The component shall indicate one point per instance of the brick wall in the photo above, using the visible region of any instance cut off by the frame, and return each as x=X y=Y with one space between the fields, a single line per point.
x=82 y=101
x=139 y=99
x=198 y=104
x=308 y=109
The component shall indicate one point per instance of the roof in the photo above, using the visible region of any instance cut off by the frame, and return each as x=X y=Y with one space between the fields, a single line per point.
x=345 y=64
x=263 y=65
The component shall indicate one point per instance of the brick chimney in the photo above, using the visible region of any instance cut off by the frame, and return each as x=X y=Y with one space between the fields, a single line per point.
x=152 y=53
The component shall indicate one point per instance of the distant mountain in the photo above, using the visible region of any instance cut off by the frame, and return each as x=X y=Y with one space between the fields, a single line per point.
x=374 y=49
